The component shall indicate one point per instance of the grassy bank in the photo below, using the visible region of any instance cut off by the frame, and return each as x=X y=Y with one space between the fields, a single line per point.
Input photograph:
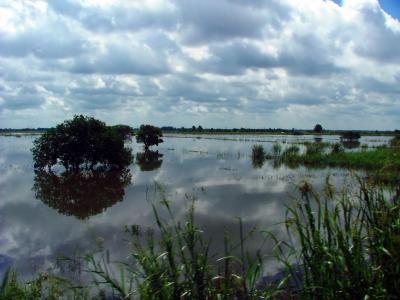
x=344 y=246
x=382 y=163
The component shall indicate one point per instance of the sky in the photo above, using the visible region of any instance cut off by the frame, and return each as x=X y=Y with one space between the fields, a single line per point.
x=214 y=63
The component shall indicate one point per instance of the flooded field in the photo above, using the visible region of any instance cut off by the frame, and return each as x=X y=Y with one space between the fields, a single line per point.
x=45 y=218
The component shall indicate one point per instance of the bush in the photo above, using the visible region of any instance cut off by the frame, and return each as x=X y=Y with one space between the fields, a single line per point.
x=82 y=142
x=149 y=135
x=350 y=136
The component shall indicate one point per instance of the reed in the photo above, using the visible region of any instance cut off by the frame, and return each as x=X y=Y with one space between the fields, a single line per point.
x=347 y=243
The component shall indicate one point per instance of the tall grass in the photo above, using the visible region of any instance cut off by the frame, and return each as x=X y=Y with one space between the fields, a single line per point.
x=348 y=244
x=43 y=286
x=382 y=163
x=258 y=156
x=174 y=262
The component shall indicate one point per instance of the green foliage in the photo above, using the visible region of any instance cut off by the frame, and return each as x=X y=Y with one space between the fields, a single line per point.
x=173 y=261
x=276 y=149
x=44 y=286
x=258 y=156
x=292 y=150
x=382 y=163
x=314 y=148
x=318 y=128
x=350 y=136
x=336 y=148
x=81 y=142
x=395 y=142
x=149 y=135
x=348 y=243
x=125 y=132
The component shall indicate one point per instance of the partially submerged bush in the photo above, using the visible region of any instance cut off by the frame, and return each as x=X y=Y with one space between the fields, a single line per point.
x=149 y=135
x=350 y=136
x=82 y=142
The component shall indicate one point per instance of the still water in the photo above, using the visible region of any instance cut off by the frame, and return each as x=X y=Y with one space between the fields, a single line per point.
x=43 y=217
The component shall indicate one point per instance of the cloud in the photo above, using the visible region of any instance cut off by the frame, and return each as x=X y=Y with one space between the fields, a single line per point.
x=126 y=16
x=45 y=37
x=208 y=21
x=379 y=39
x=251 y=63
x=21 y=97
x=121 y=59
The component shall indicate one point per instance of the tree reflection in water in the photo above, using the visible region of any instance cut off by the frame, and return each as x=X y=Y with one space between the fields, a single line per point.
x=81 y=194
x=149 y=160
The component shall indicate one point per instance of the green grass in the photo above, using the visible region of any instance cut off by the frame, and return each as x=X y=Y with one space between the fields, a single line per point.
x=347 y=243
x=382 y=163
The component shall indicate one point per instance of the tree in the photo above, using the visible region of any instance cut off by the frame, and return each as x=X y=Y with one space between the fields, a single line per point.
x=149 y=135
x=124 y=131
x=318 y=128
x=82 y=142
x=350 y=136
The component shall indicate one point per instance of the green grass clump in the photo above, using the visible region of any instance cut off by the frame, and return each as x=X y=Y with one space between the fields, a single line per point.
x=337 y=148
x=258 y=152
x=382 y=163
x=174 y=262
x=258 y=156
x=348 y=244
x=290 y=151
x=276 y=149
x=314 y=148
x=43 y=286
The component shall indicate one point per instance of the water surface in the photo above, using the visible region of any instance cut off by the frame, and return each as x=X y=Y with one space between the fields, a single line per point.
x=37 y=226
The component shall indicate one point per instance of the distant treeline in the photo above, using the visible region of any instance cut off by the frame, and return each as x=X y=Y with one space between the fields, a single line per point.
x=200 y=129
x=293 y=131
x=39 y=129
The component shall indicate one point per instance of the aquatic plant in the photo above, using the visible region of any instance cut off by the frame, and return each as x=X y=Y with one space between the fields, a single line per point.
x=314 y=148
x=337 y=148
x=276 y=149
x=348 y=243
x=292 y=150
x=173 y=261
x=258 y=156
